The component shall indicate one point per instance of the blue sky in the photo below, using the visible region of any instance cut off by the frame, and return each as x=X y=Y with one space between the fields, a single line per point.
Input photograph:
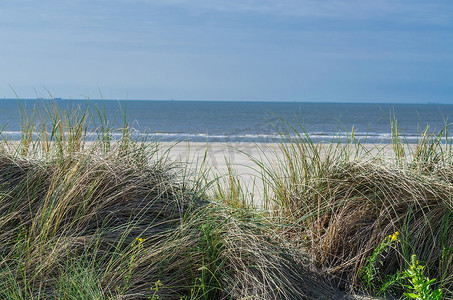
x=285 y=50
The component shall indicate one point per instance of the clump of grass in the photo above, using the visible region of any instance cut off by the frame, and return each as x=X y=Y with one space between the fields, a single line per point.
x=86 y=206
x=344 y=199
x=69 y=206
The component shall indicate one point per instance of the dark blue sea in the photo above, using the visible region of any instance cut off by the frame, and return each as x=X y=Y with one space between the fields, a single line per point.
x=215 y=121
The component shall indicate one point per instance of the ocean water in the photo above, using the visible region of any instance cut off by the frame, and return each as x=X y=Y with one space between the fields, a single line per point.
x=236 y=122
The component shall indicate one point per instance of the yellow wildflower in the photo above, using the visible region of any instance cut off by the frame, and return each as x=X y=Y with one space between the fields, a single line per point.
x=394 y=237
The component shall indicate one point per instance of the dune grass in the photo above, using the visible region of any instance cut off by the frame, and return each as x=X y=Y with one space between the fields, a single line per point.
x=343 y=200
x=112 y=217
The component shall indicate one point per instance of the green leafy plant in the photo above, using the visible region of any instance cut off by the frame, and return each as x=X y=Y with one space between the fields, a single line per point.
x=420 y=285
x=370 y=272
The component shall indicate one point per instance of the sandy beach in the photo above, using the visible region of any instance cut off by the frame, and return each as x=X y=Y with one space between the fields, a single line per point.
x=239 y=156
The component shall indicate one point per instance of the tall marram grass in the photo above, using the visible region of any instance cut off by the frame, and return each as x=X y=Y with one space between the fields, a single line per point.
x=342 y=199
x=115 y=219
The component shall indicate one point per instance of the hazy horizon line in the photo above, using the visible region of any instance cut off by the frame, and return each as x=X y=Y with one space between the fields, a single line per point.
x=233 y=100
